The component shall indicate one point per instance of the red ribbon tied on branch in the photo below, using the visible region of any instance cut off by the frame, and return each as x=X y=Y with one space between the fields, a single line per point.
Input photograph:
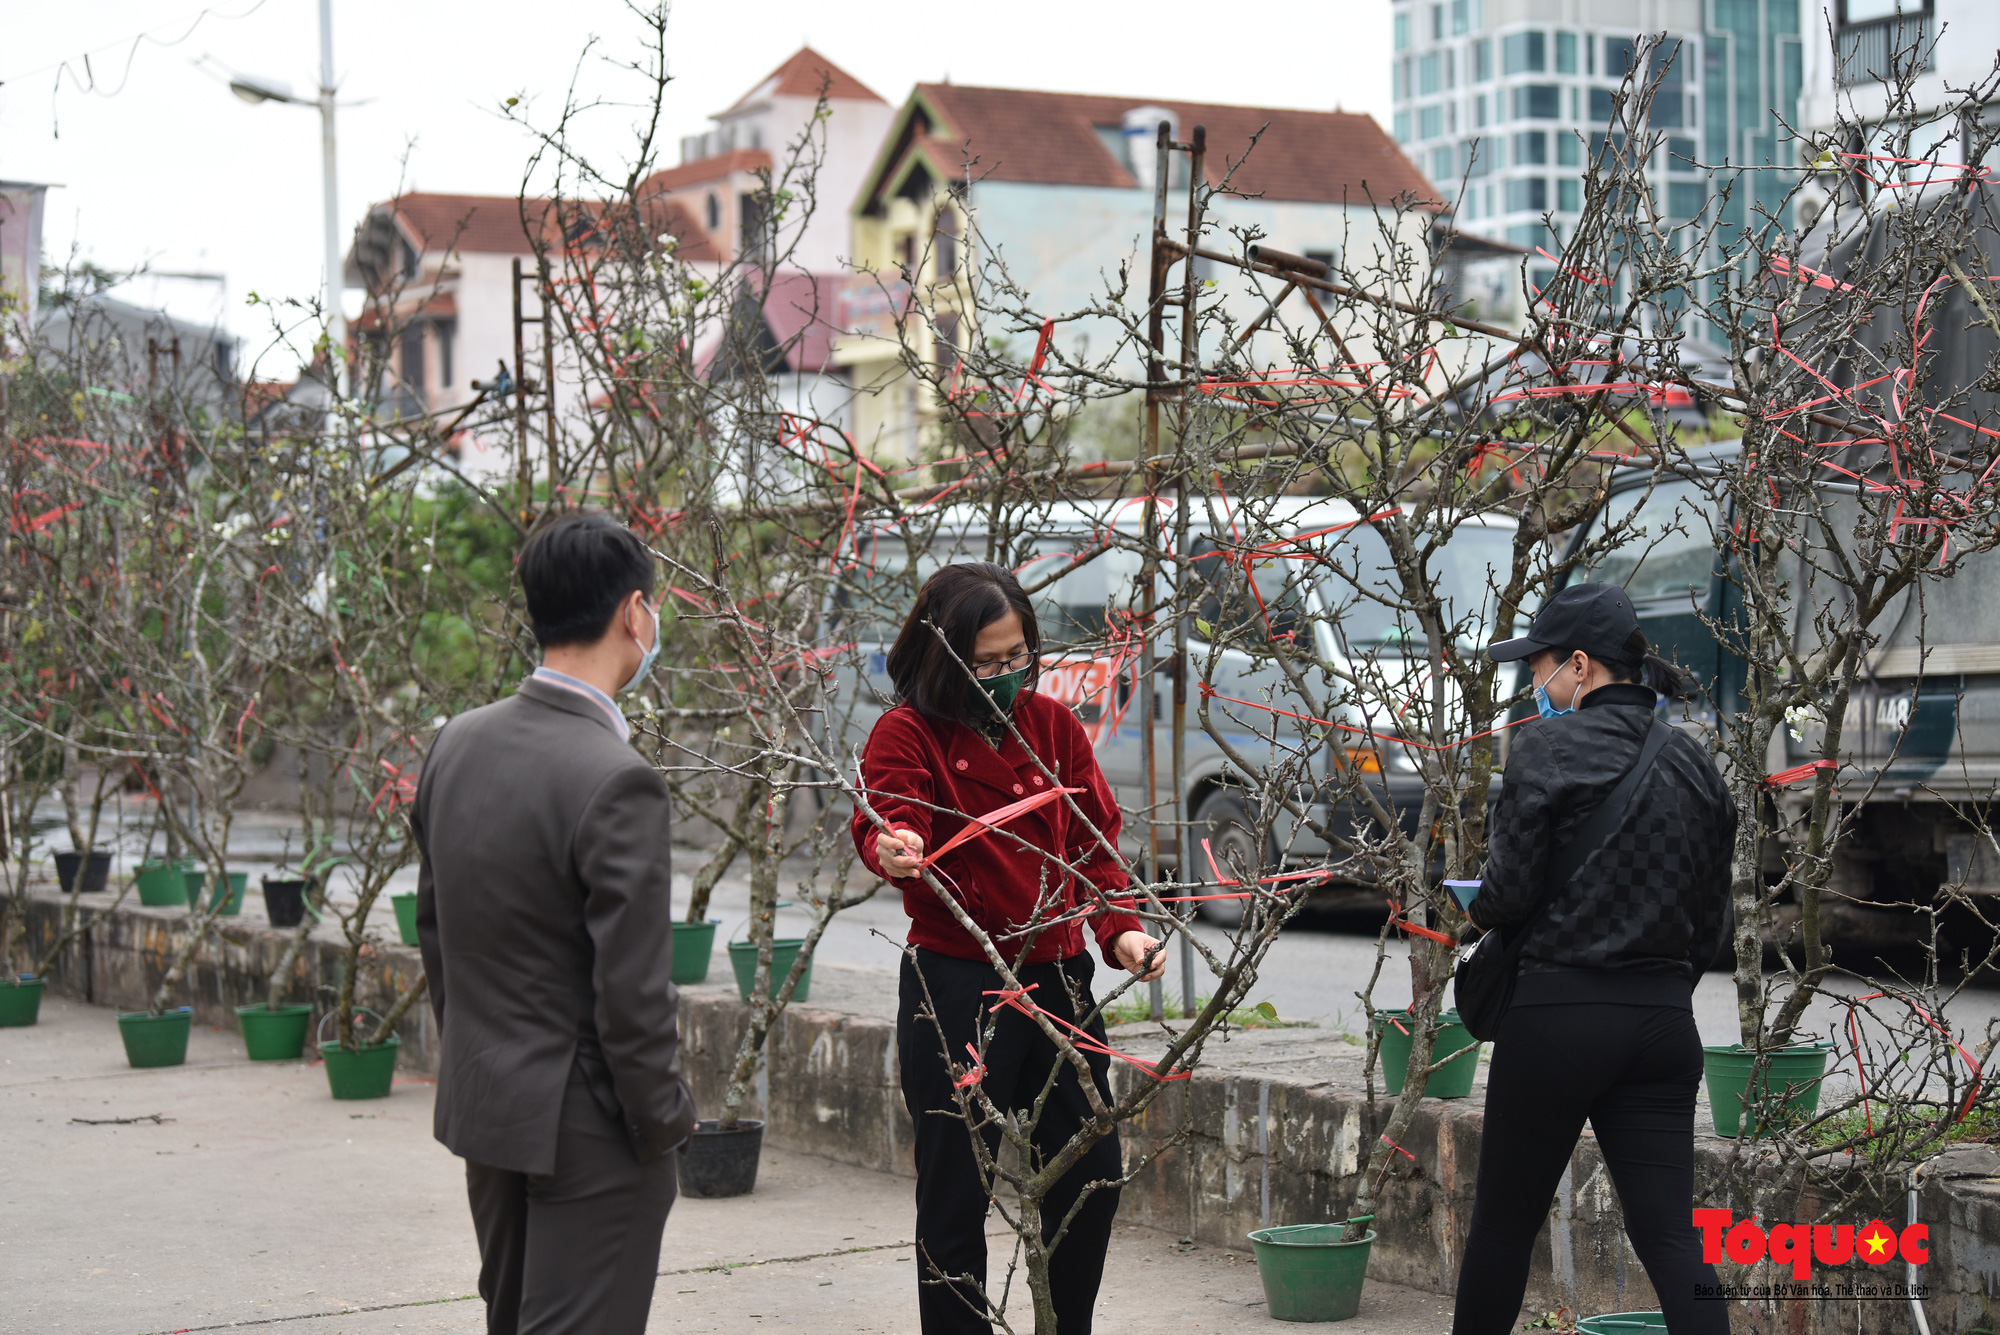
x=993 y=820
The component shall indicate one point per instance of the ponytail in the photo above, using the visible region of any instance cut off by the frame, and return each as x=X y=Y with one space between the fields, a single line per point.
x=1638 y=663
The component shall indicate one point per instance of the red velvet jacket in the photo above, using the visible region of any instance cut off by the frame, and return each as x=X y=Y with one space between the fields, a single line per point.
x=920 y=774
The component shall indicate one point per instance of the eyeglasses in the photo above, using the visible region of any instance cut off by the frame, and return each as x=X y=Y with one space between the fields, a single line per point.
x=988 y=671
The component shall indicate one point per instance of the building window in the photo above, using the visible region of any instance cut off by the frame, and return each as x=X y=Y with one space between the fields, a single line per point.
x=1441 y=157
x=1565 y=53
x=754 y=241
x=1527 y=195
x=1877 y=36
x=1537 y=102
x=1430 y=122
x=1402 y=32
x=944 y=243
x=1461 y=20
x=1474 y=157
x=1569 y=150
x=1600 y=106
x=413 y=360
x=1399 y=88
x=1531 y=148
x=1685 y=199
x=1618 y=57
x=1680 y=155
x=1569 y=195
x=1451 y=117
x=1429 y=74
x=1400 y=127
x=1479 y=110
x=1482 y=60
x=714 y=212
x=1437 y=23
x=906 y=252
x=1523 y=52
x=946 y=344
x=447 y=331
x=1449 y=68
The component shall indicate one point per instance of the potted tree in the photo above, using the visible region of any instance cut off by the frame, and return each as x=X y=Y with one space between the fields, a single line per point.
x=276 y=1030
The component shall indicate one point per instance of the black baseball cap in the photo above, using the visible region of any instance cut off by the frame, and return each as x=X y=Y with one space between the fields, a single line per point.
x=1596 y=618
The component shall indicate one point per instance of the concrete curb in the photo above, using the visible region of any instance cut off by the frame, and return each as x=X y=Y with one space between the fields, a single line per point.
x=1229 y=1152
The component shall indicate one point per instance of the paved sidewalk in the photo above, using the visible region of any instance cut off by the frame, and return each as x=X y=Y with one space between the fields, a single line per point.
x=259 y=1201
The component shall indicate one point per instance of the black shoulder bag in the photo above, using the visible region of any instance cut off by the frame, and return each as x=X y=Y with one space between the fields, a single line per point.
x=1484 y=983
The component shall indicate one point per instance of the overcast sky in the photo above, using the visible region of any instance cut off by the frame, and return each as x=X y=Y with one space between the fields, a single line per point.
x=160 y=165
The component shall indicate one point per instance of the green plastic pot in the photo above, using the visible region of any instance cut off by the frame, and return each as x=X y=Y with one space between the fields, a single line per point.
x=694 y=944
x=195 y=879
x=366 y=1074
x=1449 y=1082
x=161 y=884
x=1309 y=1274
x=20 y=1001
x=1792 y=1075
x=743 y=959
x=406 y=916
x=1621 y=1323
x=156 y=1040
x=274 y=1035
x=238 y=880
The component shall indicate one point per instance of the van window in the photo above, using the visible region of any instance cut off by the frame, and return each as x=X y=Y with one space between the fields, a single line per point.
x=1243 y=613
x=1364 y=586
x=1671 y=550
x=1077 y=606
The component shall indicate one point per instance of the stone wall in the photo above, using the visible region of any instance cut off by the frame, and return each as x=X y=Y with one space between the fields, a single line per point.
x=1223 y=1153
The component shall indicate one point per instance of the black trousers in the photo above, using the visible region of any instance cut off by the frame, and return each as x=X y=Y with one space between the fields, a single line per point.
x=573 y=1252
x=1632 y=1071
x=952 y=1193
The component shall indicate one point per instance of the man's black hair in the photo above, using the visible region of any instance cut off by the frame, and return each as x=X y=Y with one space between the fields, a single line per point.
x=961 y=600
x=1643 y=667
x=575 y=570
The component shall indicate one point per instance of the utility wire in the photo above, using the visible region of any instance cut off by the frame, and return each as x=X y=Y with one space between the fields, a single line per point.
x=88 y=82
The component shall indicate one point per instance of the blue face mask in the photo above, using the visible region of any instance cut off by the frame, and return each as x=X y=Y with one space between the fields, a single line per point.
x=645 y=663
x=1546 y=707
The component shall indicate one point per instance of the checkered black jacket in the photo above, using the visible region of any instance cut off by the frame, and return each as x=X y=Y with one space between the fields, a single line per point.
x=1654 y=897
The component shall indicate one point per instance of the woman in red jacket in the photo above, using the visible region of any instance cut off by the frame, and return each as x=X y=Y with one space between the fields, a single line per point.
x=964 y=668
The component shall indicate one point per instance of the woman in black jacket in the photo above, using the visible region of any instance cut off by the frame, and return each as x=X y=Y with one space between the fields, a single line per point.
x=1601 y=1025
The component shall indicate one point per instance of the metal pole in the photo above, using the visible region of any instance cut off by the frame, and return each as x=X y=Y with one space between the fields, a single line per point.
x=546 y=295
x=525 y=476
x=1190 y=357
x=336 y=320
x=1149 y=575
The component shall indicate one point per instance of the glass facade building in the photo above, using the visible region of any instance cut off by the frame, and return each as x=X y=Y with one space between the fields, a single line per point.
x=1501 y=108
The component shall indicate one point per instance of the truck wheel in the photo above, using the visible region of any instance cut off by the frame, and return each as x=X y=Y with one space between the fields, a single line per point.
x=1232 y=837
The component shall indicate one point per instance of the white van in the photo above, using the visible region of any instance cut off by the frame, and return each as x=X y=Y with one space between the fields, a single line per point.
x=1084 y=583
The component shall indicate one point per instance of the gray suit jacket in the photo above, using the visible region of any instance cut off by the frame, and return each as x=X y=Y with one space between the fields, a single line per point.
x=544 y=915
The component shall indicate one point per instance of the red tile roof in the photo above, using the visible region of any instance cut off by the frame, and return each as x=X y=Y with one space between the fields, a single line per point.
x=477 y=224
x=802 y=76
x=704 y=170
x=1048 y=138
x=579 y=223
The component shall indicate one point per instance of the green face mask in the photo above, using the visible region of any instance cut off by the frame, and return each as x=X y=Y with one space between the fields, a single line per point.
x=1003 y=688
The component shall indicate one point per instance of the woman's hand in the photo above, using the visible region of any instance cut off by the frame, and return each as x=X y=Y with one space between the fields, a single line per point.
x=1131 y=948
x=901 y=853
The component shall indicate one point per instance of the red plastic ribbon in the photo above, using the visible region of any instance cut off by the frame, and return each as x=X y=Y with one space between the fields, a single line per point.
x=1019 y=1000
x=993 y=820
x=1786 y=777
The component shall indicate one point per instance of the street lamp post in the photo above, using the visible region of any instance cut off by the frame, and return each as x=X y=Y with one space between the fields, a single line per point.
x=270 y=90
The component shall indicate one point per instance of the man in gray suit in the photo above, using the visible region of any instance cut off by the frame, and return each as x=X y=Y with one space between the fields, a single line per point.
x=546 y=927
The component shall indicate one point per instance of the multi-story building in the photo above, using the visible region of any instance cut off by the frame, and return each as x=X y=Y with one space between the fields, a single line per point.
x=1502 y=102
x=718 y=180
x=1944 y=44
x=1058 y=189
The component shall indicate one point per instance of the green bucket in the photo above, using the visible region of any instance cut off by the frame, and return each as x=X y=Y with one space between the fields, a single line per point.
x=405 y=905
x=20 y=1001
x=366 y=1074
x=1309 y=1274
x=694 y=944
x=156 y=1040
x=1792 y=1074
x=274 y=1035
x=161 y=884
x=743 y=959
x=1450 y=1082
x=237 y=881
x=1621 y=1323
